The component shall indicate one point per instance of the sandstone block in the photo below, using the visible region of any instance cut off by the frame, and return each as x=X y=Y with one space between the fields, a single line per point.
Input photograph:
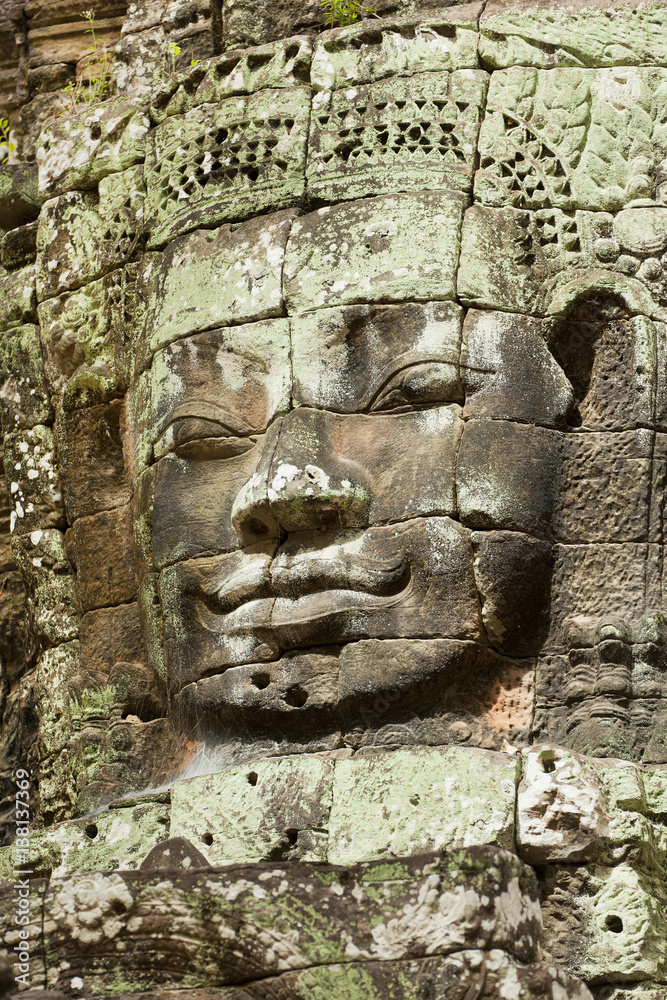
x=24 y=398
x=78 y=152
x=379 y=249
x=284 y=63
x=19 y=202
x=513 y=578
x=33 y=481
x=84 y=234
x=267 y=810
x=608 y=33
x=41 y=558
x=104 y=549
x=321 y=904
x=17 y=291
x=214 y=278
x=110 y=636
x=264 y=693
x=506 y=476
x=381 y=138
x=508 y=371
x=418 y=799
x=361 y=53
x=18 y=247
x=571 y=138
x=376 y=357
x=86 y=344
x=226 y=162
x=118 y=838
x=228 y=383
x=551 y=258
x=90 y=442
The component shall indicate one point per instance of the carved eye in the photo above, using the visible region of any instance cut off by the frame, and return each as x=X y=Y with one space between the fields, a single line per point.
x=192 y=437
x=429 y=382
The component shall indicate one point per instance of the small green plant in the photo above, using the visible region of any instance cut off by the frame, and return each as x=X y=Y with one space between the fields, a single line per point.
x=6 y=147
x=172 y=50
x=91 y=86
x=342 y=12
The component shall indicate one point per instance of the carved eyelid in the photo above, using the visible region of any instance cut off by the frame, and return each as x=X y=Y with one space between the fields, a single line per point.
x=234 y=424
x=422 y=362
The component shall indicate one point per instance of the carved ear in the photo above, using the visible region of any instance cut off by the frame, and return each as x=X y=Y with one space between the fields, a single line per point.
x=607 y=356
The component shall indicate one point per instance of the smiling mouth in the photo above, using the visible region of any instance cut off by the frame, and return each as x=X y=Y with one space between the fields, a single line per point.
x=263 y=592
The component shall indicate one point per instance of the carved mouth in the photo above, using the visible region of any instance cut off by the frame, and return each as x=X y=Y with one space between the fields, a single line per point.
x=304 y=579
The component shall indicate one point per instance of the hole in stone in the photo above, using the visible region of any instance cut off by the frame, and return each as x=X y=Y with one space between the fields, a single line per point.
x=292 y=836
x=261 y=681
x=91 y=831
x=252 y=778
x=548 y=766
x=296 y=696
x=207 y=838
x=614 y=924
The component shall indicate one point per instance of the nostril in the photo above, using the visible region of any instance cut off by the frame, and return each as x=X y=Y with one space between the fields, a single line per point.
x=256 y=526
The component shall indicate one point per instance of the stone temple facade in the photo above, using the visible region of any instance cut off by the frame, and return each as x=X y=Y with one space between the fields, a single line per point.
x=333 y=385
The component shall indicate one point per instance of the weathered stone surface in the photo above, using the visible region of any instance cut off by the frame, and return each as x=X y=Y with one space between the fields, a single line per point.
x=118 y=838
x=77 y=153
x=17 y=290
x=324 y=915
x=90 y=440
x=226 y=162
x=227 y=383
x=59 y=770
x=376 y=357
x=105 y=559
x=18 y=247
x=571 y=808
x=228 y=814
x=283 y=63
x=379 y=249
x=19 y=202
x=585 y=33
x=508 y=372
x=414 y=800
x=41 y=558
x=33 y=481
x=363 y=52
x=213 y=278
x=84 y=234
x=381 y=138
x=24 y=399
x=506 y=476
x=571 y=138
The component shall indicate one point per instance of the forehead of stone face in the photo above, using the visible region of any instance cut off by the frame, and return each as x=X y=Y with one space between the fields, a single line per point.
x=343 y=359
x=239 y=377
x=213 y=278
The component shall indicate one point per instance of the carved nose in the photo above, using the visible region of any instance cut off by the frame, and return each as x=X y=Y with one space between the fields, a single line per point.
x=304 y=485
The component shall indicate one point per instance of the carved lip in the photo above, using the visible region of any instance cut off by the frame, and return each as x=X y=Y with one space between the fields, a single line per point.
x=307 y=588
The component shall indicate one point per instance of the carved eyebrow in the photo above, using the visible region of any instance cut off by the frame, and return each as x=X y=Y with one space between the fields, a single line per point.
x=202 y=409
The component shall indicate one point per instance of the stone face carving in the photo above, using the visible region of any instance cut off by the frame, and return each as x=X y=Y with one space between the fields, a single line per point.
x=334 y=412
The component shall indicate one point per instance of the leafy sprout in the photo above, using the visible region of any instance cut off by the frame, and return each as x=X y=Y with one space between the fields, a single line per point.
x=341 y=12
